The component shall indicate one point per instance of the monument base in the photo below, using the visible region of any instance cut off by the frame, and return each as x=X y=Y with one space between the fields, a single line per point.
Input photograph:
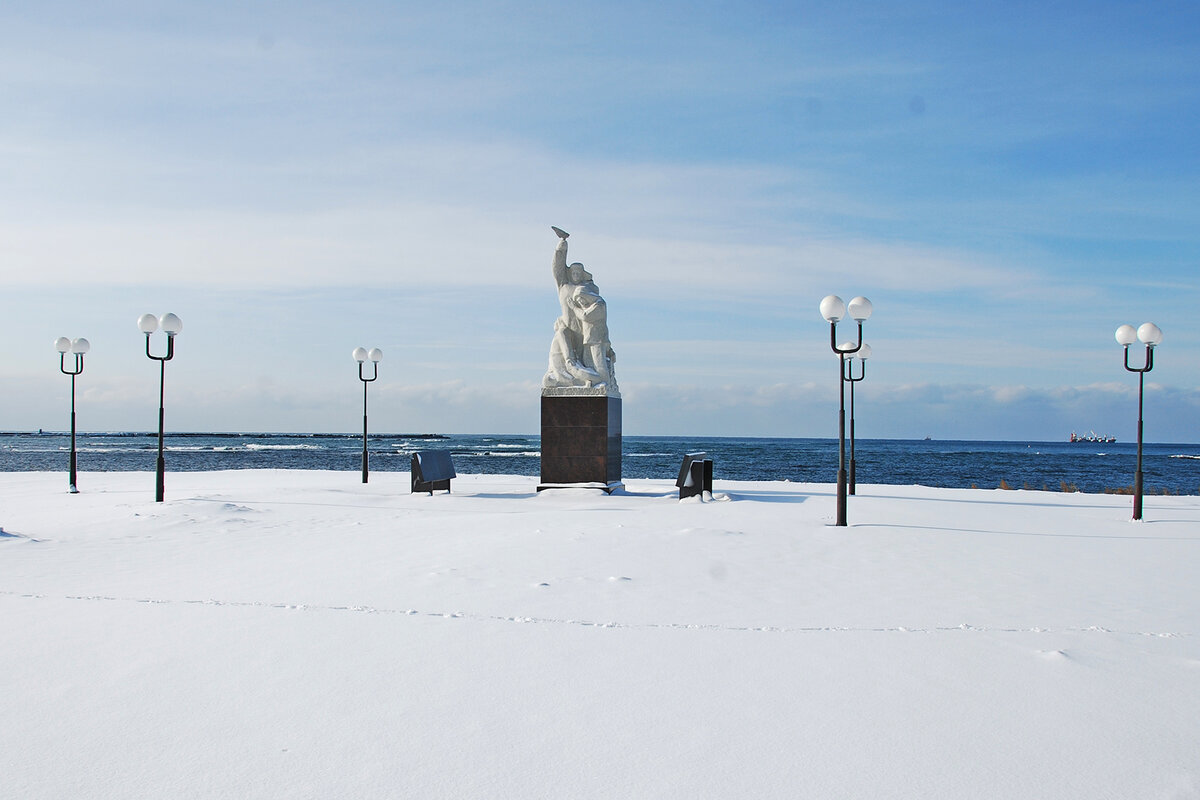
x=581 y=442
x=607 y=488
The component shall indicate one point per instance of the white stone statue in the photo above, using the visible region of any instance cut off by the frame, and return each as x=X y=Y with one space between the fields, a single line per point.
x=581 y=356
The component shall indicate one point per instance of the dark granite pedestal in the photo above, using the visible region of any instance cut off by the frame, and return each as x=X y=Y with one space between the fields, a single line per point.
x=581 y=442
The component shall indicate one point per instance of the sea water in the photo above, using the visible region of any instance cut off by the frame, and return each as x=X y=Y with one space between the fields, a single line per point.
x=1088 y=467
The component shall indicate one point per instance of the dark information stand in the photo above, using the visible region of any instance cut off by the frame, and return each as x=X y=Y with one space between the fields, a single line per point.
x=695 y=475
x=432 y=471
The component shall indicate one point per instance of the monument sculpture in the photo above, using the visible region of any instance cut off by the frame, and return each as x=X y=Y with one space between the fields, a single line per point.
x=581 y=402
x=581 y=355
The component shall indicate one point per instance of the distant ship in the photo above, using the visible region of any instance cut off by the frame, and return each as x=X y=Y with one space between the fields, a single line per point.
x=1093 y=438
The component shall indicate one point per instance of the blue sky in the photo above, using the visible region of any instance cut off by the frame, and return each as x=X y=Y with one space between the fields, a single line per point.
x=1007 y=182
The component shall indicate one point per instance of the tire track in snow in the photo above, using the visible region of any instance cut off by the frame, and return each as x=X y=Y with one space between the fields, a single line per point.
x=680 y=626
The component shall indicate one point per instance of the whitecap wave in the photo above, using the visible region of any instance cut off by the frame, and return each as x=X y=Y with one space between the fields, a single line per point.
x=253 y=446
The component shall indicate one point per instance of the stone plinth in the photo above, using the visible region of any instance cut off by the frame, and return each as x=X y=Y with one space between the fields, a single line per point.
x=581 y=442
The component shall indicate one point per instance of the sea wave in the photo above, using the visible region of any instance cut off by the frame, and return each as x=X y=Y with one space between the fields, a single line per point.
x=64 y=448
x=1184 y=455
x=253 y=446
x=468 y=453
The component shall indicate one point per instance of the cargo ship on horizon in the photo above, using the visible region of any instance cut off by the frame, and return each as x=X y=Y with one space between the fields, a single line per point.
x=1092 y=437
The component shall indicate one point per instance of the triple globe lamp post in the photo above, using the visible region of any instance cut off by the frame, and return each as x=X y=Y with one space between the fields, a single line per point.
x=78 y=348
x=834 y=310
x=1150 y=335
x=362 y=355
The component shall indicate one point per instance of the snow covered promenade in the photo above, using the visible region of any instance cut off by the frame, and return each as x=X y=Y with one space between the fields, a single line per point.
x=285 y=634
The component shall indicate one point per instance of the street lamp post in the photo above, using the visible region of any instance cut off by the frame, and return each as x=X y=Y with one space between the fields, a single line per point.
x=171 y=326
x=1150 y=335
x=861 y=356
x=361 y=355
x=833 y=309
x=78 y=348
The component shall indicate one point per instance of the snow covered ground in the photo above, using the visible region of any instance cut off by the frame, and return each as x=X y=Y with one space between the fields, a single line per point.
x=282 y=634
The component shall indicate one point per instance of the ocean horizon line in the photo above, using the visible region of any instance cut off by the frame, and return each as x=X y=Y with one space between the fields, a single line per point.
x=443 y=435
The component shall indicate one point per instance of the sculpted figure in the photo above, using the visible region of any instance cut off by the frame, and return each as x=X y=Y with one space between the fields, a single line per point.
x=592 y=312
x=580 y=353
x=565 y=369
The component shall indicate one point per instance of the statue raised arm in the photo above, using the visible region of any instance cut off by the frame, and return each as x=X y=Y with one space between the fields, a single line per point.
x=561 y=275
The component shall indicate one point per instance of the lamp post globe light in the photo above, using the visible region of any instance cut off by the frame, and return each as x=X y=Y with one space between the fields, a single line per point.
x=78 y=348
x=171 y=325
x=861 y=356
x=1150 y=335
x=362 y=355
x=833 y=310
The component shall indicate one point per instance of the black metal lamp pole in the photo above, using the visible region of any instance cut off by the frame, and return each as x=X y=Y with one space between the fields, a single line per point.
x=361 y=355
x=861 y=356
x=833 y=309
x=77 y=348
x=171 y=326
x=1150 y=335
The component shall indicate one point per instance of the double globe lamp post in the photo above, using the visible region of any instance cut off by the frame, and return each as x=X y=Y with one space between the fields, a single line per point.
x=833 y=310
x=171 y=325
x=78 y=348
x=1150 y=335
x=861 y=356
x=362 y=355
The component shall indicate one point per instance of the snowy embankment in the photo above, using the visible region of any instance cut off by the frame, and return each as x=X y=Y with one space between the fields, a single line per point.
x=272 y=634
